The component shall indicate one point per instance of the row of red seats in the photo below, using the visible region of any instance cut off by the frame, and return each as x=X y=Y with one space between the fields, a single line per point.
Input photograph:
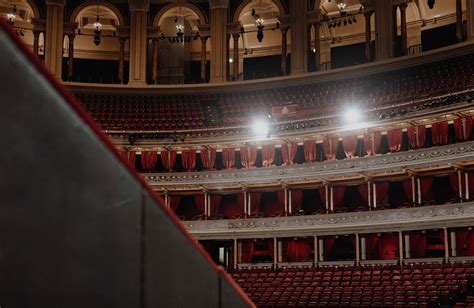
x=358 y=287
x=383 y=89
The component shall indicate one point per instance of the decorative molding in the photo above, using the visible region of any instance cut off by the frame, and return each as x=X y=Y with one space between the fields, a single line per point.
x=56 y=2
x=218 y=4
x=139 y=5
x=417 y=218
x=317 y=171
x=285 y=81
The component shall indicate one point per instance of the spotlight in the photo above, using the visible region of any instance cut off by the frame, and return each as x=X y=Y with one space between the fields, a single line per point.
x=392 y=114
x=261 y=127
x=352 y=115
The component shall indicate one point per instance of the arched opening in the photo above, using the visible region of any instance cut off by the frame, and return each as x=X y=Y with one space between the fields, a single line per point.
x=178 y=46
x=261 y=40
x=96 y=58
x=340 y=22
x=20 y=15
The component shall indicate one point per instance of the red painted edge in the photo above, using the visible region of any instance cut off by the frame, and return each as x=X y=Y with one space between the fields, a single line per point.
x=70 y=99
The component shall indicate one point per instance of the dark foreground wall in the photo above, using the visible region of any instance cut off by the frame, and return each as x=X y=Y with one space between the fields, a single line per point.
x=77 y=227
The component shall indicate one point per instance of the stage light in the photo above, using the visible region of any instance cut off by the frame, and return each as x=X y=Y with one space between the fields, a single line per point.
x=352 y=115
x=261 y=127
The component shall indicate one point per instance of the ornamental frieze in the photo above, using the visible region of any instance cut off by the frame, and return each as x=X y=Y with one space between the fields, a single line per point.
x=450 y=215
x=316 y=171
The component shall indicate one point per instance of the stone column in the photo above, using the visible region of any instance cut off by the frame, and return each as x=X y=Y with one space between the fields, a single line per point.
x=368 y=36
x=36 y=35
x=284 y=49
x=459 y=32
x=155 y=60
x=218 y=40
x=317 y=45
x=403 y=28
x=54 y=32
x=227 y=56
x=299 y=42
x=236 y=56
x=70 y=63
x=203 y=58
x=394 y=29
x=138 y=40
x=383 y=29
x=470 y=19
x=121 y=60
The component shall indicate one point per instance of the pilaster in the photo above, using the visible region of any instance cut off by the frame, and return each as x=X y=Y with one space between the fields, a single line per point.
x=54 y=32
x=138 y=40
x=470 y=19
x=218 y=40
x=383 y=29
x=299 y=37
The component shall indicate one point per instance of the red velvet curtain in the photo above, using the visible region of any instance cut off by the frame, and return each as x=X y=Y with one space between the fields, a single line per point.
x=394 y=138
x=255 y=198
x=188 y=160
x=281 y=199
x=130 y=157
x=463 y=128
x=168 y=164
x=471 y=185
x=408 y=189
x=381 y=192
x=268 y=154
x=309 y=151
x=426 y=183
x=389 y=247
x=270 y=205
x=296 y=198
x=322 y=196
x=372 y=143
x=338 y=196
x=200 y=202
x=208 y=159
x=364 y=192
x=350 y=145
x=229 y=207
x=228 y=157
x=439 y=132
x=215 y=201
x=271 y=250
x=465 y=242
x=418 y=244
x=372 y=243
x=247 y=251
x=241 y=203
x=328 y=245
x=454 y=181
x=149 y=160
x=246 y=159
x=288 y=153
x=417 y=136
x=298 y=250
x=174 y=202
x=330 y=148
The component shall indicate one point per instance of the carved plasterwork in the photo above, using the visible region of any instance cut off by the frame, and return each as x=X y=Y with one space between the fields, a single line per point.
x=429 y=217
x=317 y=171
